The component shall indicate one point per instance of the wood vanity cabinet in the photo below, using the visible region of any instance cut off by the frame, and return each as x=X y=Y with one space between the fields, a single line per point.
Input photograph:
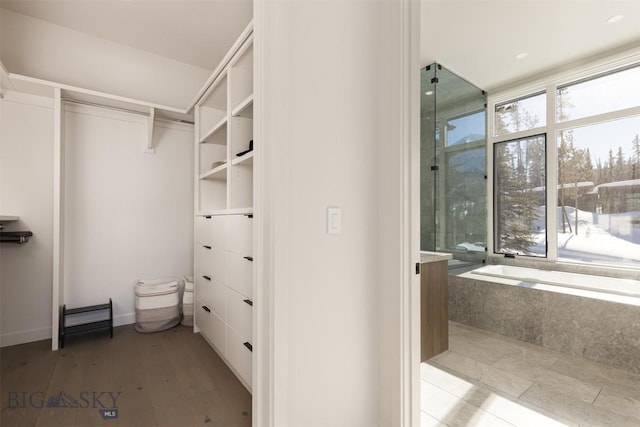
x=434 y=309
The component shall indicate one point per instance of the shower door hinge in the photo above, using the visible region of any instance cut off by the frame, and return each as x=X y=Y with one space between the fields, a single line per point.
x=434 y=167
x=417 y=268
x=434 y=80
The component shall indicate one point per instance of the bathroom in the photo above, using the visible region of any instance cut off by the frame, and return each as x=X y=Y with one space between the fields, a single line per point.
x=571 y=290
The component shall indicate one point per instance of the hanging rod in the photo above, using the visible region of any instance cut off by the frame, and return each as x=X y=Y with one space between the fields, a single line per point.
x=125 y=110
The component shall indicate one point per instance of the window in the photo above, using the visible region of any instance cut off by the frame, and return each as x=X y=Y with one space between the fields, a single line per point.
x=521 y=114
x=466 y=129
x=595 y=195
x=465 y=187
x=606 y=93
x=520 y=196
x=599 y=192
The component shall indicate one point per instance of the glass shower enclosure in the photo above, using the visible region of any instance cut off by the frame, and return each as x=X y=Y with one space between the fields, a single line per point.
x=453 y=186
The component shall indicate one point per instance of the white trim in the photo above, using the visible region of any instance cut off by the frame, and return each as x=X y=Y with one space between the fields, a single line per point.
x=58 y=216
x=28 y=99
x=40 y=334
x=598 y=118
x=412 y=230
x=269 y=373
x=246 y=33
x=22 y=337
x=490 y=179
x=551 y=167
x=124 y=319
x=578 y=72
x=549 y=85
x=398 y=214
x=82 y=91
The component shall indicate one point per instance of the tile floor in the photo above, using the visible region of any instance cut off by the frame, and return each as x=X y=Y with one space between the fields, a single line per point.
x=485 y=379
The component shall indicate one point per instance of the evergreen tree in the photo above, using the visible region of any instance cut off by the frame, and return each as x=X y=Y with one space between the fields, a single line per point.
x=516 y=201
x=519 y=168
x=610 y=166
x=598 y=178
x=635 y=146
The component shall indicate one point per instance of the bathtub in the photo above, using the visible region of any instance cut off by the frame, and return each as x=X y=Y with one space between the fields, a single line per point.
x=587 y=282
x=594 y=317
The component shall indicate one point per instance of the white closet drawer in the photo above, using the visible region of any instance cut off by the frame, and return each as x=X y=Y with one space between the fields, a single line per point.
x=239 y=355
x=203 y=258
x=240 y=234
x=219 y=231
x=211 y=230
x=203 y=230
x=240 y=274
x=240 y=314
x=213 y=294
x=212 y=262
x=212 y=326
x=204 y=288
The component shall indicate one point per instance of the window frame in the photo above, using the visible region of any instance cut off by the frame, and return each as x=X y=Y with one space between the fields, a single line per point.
x=549 y=85
x=495 y=238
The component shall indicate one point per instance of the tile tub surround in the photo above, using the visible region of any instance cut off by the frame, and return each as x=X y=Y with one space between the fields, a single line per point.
x=603 y=331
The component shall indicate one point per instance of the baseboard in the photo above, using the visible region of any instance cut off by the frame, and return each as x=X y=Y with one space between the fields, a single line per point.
x=23 y=337
x=124 y=319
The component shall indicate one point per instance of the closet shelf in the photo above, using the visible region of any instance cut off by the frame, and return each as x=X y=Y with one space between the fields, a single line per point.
x=245 y=108
x=246 y=159
x=234 y=211
x=219 y=173
x=210 y=136
x=15 y=236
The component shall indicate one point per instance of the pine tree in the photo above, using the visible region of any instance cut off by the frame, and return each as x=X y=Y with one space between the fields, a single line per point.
x=516 y=202
x=619 y=170
x=610 y=166
x=635 y=146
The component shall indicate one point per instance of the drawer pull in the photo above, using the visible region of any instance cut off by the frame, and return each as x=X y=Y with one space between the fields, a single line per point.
x=248 y=301
x=207 y=278
x=250 y=216
x=248 y=258
x=248 y=345
x=206 y=246
x=207 y=309
x=207 y=216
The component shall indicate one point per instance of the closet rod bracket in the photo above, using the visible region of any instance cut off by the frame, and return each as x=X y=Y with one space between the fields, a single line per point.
x=149 y=147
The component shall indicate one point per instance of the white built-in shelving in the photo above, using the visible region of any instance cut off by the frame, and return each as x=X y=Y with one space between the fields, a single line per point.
x=224 y=209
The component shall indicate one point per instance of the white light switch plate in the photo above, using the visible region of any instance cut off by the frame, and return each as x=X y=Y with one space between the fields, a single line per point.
x=334 y=220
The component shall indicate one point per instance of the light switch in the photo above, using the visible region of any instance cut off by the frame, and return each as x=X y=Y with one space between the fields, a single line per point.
x=334 y=220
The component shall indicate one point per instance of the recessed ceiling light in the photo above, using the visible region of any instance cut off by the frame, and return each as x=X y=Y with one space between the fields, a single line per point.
x=522 y=55
x=615 y=18
x=429 y=92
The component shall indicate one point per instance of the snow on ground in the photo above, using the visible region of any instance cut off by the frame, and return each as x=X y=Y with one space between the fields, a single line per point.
x=592 y=243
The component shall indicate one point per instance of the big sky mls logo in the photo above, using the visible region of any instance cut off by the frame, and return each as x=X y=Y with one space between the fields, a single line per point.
x=105 y=401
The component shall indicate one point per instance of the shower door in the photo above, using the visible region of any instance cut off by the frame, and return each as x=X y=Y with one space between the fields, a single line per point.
x=452 y=166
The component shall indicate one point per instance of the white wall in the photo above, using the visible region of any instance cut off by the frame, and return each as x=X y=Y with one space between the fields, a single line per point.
x=26 y=168
x=128 y=214
x=335 y=99
x=320 y=133
x=37 y=48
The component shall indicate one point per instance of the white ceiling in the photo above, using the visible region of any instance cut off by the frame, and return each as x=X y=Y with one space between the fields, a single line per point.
x=196 y=32
x=476 y=39
x=479 y=39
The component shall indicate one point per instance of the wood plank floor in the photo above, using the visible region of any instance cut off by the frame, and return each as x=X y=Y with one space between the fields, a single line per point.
x=171 y=378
